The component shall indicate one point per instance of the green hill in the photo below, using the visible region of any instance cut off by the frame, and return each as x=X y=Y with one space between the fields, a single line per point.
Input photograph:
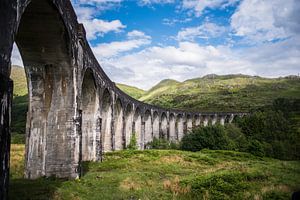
x=209 y=93
x=160 y=88
x=165 y=174
x=222 y=93
x=20 y=101
x=131 y=91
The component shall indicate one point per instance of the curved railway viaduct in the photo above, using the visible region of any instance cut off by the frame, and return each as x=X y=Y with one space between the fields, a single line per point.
x=75 y=111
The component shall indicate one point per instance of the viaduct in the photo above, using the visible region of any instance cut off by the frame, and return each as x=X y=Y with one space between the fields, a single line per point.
x=75 y=111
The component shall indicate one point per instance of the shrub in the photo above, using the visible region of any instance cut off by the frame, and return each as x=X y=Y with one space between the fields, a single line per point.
x=237 y=138
x=256 y=148
x=133 y=143
x=161 y=144
x=210 y=137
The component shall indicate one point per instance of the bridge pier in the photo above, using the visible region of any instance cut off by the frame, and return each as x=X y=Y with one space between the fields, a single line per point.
x=6 y=93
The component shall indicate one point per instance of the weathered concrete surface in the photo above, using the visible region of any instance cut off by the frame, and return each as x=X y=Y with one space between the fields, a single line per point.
x=6 y=89
x=75 y=111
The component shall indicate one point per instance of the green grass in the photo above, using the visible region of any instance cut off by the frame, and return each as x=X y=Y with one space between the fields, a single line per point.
x=131 y=91
x=165 y=174
x=222 y=93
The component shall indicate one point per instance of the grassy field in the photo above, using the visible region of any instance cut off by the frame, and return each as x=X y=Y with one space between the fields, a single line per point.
x=165 y=174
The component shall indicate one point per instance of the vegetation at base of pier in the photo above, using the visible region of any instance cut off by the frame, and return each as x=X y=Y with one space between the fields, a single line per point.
x=165 y=174
x=159 y=143
x=132 y=143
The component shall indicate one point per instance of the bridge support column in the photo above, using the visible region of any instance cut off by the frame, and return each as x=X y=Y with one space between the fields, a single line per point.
x=52 y=139
x=205 y=120
x=6 y=88
x=214 y=119
x=222 y=120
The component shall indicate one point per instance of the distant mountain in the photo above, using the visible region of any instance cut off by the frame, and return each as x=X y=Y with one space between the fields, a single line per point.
x=233 y=92
x=161 y=87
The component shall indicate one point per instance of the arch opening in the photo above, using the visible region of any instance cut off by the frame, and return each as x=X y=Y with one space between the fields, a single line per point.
x=189 y=123
x=155 y=125
x=148 y=127
x=164 y=133
x=137 y=128
x=119 y=134
x=128 y=124
x=180 y=126
x=106 y=114
x=172 y=129
x=89 y=108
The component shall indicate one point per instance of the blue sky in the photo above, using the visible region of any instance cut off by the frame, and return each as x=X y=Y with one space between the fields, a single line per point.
x=141 y=42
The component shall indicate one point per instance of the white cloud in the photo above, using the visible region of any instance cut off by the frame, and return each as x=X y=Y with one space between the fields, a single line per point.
x=266 y=20
x=150 y=2
x=136 y=39
x=97 y=27
x=205 y=31
x=172 y=22
x=197 y=7
x=190 y=60
x=137 y=34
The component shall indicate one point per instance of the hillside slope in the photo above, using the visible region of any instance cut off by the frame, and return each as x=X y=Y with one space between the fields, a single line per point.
x=223 y=93
x=20 y=101
x=165 y=174
x=131 y=91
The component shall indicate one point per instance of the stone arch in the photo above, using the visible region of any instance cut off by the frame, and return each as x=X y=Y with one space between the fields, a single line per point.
x=197 y=121
x=155 y=125
x=128 y=123
x=148 y=126
x=90 y=114
x=229 y=118
x=106 y=114
x=221 y=119
x=118 y=123
x=206 y=119
x=45 y=52
x=164 y=129
x=214 y=119
x=189 y=122
x=137 y=128
x=180 y=126
x=172 y=127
